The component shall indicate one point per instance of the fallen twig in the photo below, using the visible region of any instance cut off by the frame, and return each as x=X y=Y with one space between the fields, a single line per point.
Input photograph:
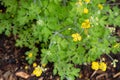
x=116 y=75
x=22 y=74
x=93 y=74
x=101 y=75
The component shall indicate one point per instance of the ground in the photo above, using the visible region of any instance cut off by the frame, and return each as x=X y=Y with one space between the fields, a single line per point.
x=12 y=65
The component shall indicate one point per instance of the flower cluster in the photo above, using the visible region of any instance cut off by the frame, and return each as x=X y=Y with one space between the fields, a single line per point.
x=102 y=66
x=37 y=71
x=86 y=24
x=76 y=37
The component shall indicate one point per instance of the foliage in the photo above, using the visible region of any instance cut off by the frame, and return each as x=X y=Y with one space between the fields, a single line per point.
x=70 y=32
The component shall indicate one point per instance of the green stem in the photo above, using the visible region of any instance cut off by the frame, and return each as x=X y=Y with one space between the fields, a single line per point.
x=110 y=57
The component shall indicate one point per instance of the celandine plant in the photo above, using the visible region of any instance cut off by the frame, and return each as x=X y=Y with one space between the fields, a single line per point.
x=72 y=32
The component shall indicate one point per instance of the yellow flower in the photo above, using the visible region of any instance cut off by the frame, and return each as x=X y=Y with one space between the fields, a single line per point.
x=95 y=65
x=73 y=35
x=102 y=66
x=79 y=3
x=76 y=37
x=85 y=11
x=100 y=6
x=30 y=55
x=43 y=65
x=37 y=71
x=87 y=1
x=80 y=75
x=26 y=67
x=34 y=64
x=86 y=24
x=116 y=45
x=0 y=10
